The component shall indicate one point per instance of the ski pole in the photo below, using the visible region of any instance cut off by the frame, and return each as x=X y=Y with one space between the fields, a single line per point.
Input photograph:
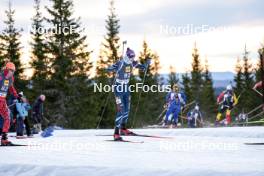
x=124 y=43
x=161 y=114
x=143 y=81
x=258 y=92
x=11 y=105
x=189 y=104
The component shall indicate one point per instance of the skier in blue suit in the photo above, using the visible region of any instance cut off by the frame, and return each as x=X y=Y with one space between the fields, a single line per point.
x=123 y=69
x=194 y=117
x=175 y=101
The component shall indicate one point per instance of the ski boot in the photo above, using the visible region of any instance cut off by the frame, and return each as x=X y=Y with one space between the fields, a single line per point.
x=117 y=136
x=5 y=141
x=174 y=126
x=164 y=125
x=217 y=123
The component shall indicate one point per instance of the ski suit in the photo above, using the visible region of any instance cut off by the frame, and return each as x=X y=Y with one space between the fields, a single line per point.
x=226 y=100
x=174 y=102
x=192 y=117
x=121 y=89
x=6 y=85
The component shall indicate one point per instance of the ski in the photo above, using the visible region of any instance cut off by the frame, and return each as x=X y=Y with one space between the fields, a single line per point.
x=149 y=136
x=139 y=135
x=128 y=141
x=255 y=143
x=15 y=145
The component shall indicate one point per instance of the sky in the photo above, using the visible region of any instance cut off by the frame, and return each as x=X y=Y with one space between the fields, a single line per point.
x=220 y=29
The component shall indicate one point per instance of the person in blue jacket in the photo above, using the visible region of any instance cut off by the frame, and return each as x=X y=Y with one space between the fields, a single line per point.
x=123 y=69
x=21 y=108
x=175 y=101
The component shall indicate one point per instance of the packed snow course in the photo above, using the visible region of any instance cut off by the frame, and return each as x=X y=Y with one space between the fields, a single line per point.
x=206 y=152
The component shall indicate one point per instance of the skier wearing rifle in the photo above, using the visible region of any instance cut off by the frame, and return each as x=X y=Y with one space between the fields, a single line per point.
x=175 y=102
x=123 y=70
x=6 y=85
x=226 y=101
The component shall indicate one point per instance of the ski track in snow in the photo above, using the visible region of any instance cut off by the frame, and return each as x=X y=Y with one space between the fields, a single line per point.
x=207 y=151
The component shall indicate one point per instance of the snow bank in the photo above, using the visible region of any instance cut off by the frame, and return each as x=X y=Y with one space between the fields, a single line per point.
x=208 y=151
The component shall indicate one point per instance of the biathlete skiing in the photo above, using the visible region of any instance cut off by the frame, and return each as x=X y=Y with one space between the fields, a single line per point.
x=123 y=70
x=6 y=85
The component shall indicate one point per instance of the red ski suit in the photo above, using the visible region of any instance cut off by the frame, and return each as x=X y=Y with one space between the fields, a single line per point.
x=6 y=85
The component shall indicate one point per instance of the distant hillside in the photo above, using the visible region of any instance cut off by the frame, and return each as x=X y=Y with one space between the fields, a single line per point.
x=220 y=79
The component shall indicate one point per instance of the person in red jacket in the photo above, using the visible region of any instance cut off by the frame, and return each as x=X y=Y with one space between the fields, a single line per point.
x=226 y=101
x=6 y=85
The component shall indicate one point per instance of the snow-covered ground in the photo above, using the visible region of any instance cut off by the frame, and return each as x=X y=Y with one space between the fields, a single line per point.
x=208 y=151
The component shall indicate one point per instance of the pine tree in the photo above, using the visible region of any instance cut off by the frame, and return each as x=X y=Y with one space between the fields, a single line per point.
x=238 y=78
x=247 y=70
x=111 y=43
x=208 y=99
x=149 y=100
x=248 y=97
x=39 y=60
x=196 y=75
x=68 y=90
x=173 y=79
x=11 y=46
x=109 y=54
x=152 y=75
x=186 y=82
x=260 y=71
x=107 y=107
x=259 y=76
x=260 y=68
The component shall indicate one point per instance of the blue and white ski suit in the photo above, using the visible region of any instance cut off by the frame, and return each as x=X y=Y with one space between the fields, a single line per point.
x=121 y=88
x=174 y=101
x=192 y=118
